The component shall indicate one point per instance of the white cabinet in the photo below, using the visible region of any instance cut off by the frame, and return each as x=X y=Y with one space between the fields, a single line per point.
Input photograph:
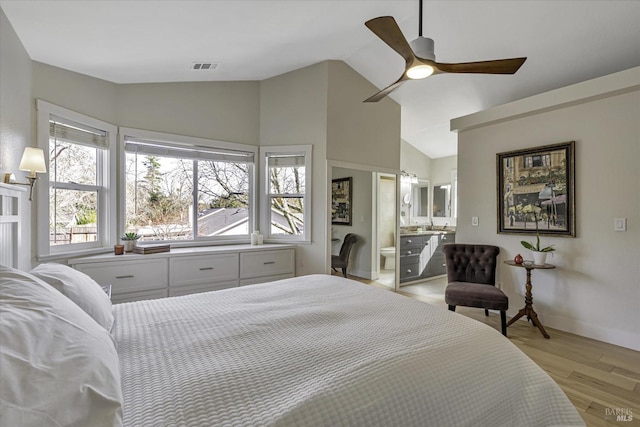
x=264 y=265
x=185 y=271
x=202 y=273
x=143 y=279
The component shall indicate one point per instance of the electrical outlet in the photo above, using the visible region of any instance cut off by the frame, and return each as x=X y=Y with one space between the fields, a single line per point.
x=499 y=285
x=474 y=221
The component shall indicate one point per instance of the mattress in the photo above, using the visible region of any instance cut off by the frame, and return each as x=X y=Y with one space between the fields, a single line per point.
x=322 y=350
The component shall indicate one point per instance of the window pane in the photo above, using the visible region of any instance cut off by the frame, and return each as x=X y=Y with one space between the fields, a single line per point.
x=73 y=216
x=70 y=162
x=287 y=216
x=223 y=198
x=158 y=197
x=286 y=180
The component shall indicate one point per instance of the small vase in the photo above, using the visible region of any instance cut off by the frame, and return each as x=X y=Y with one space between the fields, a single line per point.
x=539 y=258
x=129 y=245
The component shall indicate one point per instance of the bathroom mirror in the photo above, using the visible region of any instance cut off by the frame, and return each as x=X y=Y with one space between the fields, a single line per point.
x=420 y=199
x=442 y=200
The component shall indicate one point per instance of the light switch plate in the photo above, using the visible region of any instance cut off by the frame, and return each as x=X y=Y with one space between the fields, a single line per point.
x=620 y=224
x=474 y=221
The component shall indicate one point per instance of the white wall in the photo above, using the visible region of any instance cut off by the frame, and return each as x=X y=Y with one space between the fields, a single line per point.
x=15 y=115
x=594 y=291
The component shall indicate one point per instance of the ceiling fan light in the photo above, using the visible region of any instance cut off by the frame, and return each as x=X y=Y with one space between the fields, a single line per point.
x=419 y=72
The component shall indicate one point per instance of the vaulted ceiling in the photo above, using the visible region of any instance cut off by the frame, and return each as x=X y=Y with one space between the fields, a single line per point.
x=158 y=41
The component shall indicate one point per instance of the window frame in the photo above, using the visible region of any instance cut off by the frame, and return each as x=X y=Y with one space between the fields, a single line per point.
x=265 y=217
x=187 y=142
x=105 y=181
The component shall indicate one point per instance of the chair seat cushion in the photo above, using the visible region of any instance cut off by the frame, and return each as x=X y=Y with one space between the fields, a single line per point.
x=476 y=295
x=337 y=262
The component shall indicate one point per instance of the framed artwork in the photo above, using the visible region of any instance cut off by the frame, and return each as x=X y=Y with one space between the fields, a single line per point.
x=341 y=197
x=536 y=187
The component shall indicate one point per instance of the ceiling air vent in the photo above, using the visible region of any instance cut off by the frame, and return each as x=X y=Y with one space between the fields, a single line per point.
x=205 y=66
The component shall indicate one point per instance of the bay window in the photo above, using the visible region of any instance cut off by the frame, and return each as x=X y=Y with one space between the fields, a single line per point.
x=187 y=189
x=77 y=196
x=287 y=186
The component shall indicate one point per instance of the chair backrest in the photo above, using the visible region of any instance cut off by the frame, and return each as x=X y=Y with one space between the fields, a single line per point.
x=471 y=263
x=349 y=240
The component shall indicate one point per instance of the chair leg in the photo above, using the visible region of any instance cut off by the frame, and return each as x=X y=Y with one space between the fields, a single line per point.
x=503 y=322
x=344 y=271
x=452 y=307
x=486 y=312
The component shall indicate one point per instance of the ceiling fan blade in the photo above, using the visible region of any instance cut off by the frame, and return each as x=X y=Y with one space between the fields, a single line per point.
x=387 y=90
x=387 y=29
x=498 y=66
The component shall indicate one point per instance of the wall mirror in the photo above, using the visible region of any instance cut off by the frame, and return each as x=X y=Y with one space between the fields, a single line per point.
x=442 y=200
x=420 y=199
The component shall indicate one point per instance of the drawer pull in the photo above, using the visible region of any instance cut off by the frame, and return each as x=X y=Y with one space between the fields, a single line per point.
x=409 y=241
x=128 y=276
x=408 y=252
x=206 y=268
x=444 y=238
x=269 y=262
x=408 y=270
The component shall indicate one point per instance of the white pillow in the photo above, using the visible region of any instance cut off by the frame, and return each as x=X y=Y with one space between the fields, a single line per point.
x=58 y=366
x=79 y=288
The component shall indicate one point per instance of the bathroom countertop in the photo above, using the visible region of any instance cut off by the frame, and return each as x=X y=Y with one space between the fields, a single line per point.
x=426 y=232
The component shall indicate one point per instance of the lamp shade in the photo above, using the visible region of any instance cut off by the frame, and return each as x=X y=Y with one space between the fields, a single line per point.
x=33 y=161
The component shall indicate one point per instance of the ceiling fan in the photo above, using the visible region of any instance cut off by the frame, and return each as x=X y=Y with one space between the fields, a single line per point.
x=421 y=60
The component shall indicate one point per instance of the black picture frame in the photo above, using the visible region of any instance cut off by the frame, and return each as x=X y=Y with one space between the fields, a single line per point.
x=537 y=184
x=341 y=201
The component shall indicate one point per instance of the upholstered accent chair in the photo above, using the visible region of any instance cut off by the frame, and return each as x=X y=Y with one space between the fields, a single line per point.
x=471 y=277
x=342 y=260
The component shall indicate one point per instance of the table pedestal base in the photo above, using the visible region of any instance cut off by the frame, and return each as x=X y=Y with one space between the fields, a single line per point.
x=531 y=315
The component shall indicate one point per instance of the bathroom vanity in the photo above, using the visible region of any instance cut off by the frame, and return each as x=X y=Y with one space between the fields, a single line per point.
x=421 y=255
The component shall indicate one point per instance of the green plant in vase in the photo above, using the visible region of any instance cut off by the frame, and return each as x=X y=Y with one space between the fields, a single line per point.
x=539 y=253
x=129 y=241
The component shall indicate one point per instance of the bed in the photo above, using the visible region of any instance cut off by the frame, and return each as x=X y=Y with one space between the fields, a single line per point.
x=315 y=350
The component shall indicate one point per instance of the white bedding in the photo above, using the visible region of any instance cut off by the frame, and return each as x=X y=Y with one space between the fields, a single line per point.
x=323 y=351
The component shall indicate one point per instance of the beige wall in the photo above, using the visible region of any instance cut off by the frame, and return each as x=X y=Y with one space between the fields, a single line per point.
x=225 y=111
x=359 y=132
x=77 y=92
x=293 y=111
x=15 y=99
x=15 y=117
x=414 y=161
x=361 y=264
x=594 y=289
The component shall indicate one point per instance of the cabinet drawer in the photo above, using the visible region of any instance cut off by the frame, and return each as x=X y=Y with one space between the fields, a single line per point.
x=255 y=280
x=266 y=263
x=410 y=251
x=409 y=270
x=138 y=296
x=175 y=291
x=129 y=276
x=185 y=271
x=409 y=241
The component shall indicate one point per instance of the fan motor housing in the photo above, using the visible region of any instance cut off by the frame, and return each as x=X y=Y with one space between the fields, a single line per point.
x=423 y=48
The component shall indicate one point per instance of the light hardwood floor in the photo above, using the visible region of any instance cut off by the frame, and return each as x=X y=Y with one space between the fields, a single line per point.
x=598 y=378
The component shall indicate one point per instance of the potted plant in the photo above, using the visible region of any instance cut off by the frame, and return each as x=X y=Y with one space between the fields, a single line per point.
x=129 y=241
x=539 y=253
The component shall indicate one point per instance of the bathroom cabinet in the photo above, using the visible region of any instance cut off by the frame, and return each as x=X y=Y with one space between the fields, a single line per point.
x=421 y=255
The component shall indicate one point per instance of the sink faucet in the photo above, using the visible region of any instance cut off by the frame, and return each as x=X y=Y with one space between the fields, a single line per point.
x=431 y=222
x=444 y=227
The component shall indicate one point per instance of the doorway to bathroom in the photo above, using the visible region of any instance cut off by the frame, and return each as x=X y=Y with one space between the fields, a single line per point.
x=374 y=209
x=386 y=228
